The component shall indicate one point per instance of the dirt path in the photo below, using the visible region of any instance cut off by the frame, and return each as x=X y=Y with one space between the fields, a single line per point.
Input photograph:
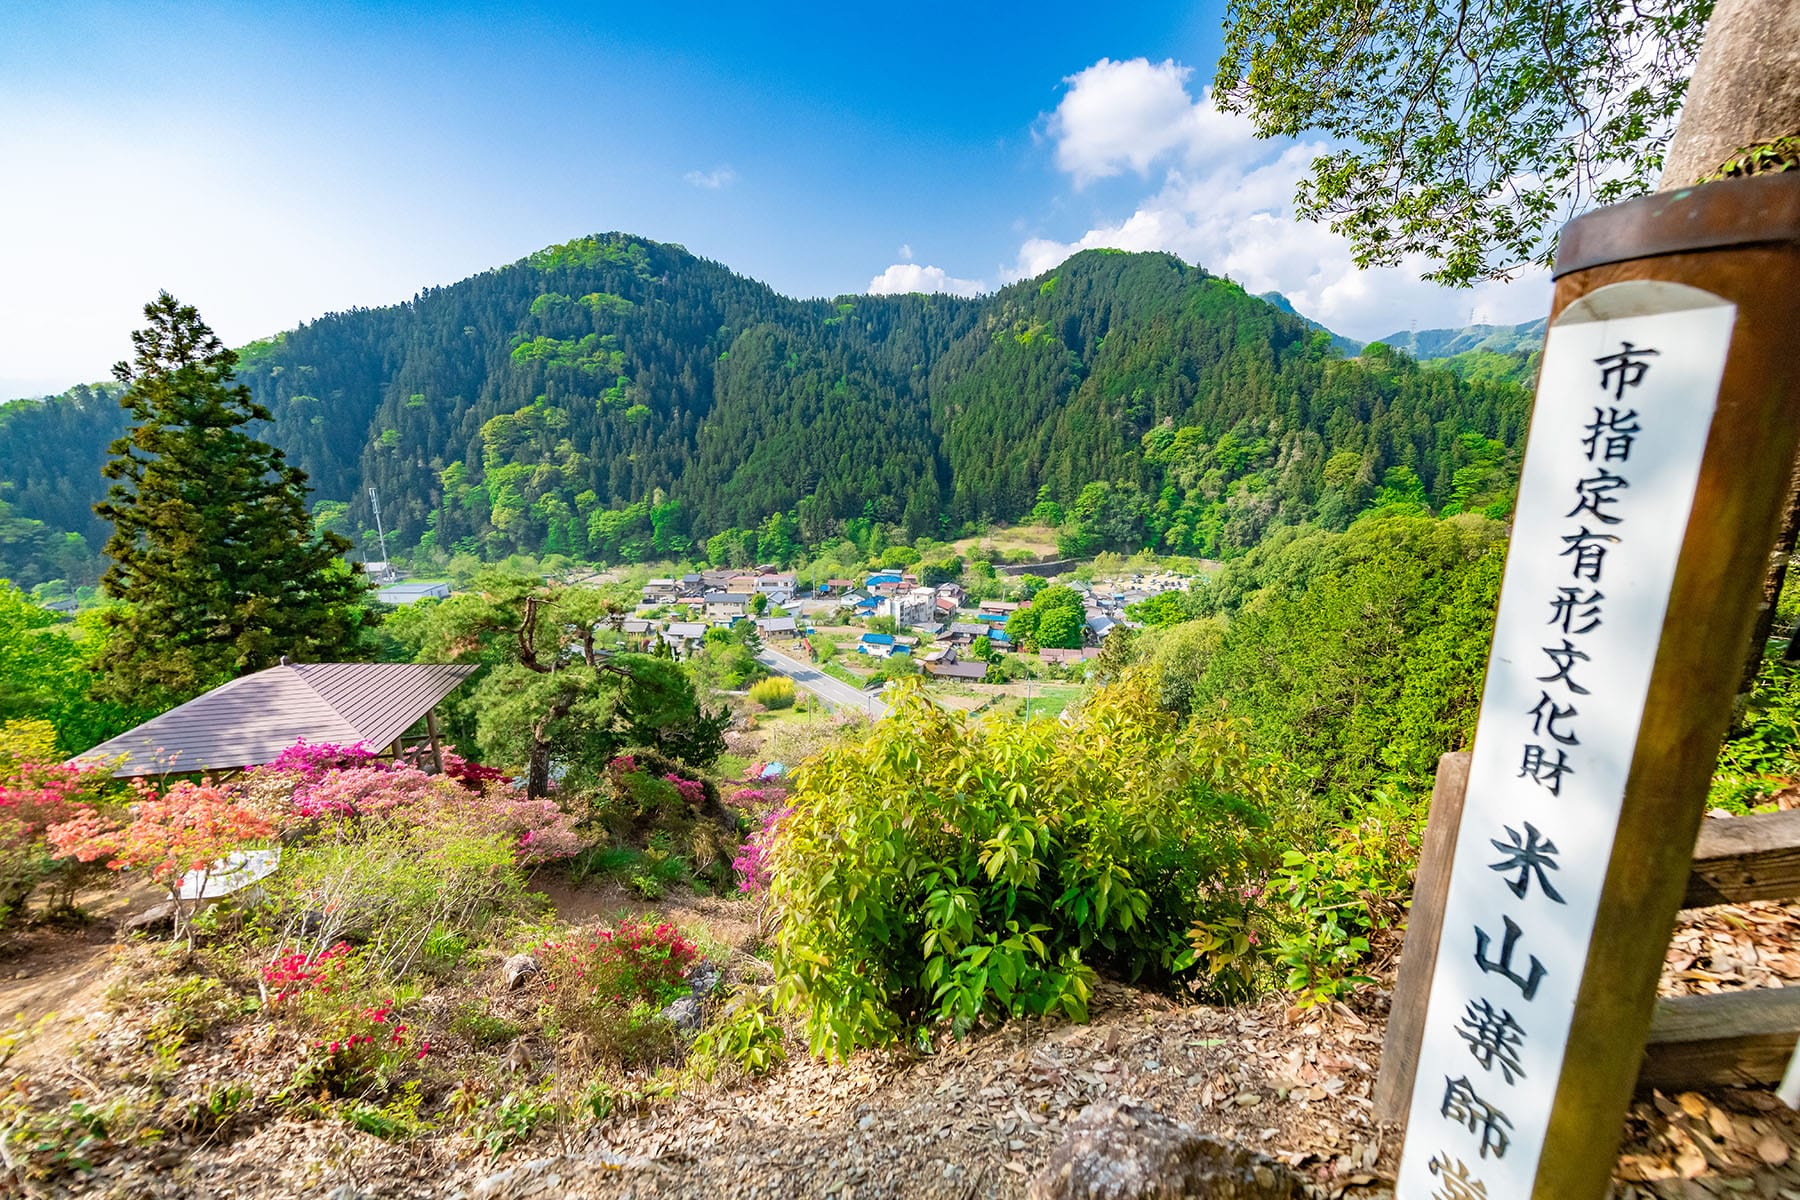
x=51 y=970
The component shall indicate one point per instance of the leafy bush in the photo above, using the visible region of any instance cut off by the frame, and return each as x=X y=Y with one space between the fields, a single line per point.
x=746 y=1038
x=26 y=740
x=392 y=889
x=943 y=872
x=1329 y=903
x=777 y=691
x=608 y=988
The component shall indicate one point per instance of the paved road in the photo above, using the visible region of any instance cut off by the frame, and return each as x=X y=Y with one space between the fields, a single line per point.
x=834 y=692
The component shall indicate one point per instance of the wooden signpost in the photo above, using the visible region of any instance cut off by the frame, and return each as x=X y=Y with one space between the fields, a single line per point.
x=1656 y=470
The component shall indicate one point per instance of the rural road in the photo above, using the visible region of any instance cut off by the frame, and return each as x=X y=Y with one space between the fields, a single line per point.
x=834 y=692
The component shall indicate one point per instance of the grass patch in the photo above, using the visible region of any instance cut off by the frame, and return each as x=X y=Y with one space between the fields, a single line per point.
x=842 y=675
x=649 y=873
x=480 y=1028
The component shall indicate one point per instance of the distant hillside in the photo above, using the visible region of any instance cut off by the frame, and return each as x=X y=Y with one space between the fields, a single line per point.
x=1427 y=344
x=620 y=399
x=1482 y=353
x=1339 y=342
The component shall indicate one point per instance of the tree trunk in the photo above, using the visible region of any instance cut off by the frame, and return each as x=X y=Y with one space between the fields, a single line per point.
x=537 y=773
x=1745 y=92
x=1779 y=558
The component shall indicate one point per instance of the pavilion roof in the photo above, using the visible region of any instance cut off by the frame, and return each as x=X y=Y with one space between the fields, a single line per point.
x=252 y=719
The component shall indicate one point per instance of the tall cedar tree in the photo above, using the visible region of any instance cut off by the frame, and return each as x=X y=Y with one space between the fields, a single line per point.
x=212 y=551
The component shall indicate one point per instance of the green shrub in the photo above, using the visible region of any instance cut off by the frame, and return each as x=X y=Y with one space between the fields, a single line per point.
x=746 y=1039
x=1761 y=755
x=777 y=691
x=1329 y=902
x=938 y=872
x=402 y=892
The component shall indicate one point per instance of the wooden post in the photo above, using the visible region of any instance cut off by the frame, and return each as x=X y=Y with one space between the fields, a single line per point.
x=1695 y=295
x=1424 y=925
x=431 y=732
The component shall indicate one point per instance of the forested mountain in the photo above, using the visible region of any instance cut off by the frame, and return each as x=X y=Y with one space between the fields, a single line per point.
x=1338 y=340
x=620 y=399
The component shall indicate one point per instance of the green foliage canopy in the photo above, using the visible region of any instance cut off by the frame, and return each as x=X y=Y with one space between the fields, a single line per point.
x=1464 y=132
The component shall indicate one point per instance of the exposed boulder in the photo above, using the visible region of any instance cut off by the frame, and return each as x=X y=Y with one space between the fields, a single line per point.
x=157 y=916
x=683 y=1013
x=517 y=969
x=1116 y=1151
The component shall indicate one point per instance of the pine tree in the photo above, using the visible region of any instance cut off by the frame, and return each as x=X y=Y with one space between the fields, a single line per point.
x=218 y=565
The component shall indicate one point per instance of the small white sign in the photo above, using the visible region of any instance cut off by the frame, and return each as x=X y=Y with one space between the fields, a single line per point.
x=1625 y=400
x=234 y=872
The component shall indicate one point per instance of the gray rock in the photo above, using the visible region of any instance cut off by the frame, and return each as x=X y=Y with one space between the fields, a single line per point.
x=683 y=1013
x=154 y=917
x=1115 y=1151
x=517 y=969
x=705 y=979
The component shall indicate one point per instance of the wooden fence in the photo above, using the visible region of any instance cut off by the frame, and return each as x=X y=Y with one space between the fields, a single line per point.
x=1728 y=1038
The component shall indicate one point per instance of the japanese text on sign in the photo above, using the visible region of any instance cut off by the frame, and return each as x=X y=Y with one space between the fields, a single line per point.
x=1624 y=404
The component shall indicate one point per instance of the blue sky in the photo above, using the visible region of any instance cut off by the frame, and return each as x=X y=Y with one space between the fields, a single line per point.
x=270 y=162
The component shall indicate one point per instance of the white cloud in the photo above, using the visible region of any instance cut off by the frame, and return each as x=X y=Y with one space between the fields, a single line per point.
x=905 y=252
x=1119 y=116
x=713 y=180
x=1225 y=201
x=911 y=277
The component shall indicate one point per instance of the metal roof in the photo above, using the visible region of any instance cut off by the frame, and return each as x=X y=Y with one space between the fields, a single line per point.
x=252 y=719
x=957 y=670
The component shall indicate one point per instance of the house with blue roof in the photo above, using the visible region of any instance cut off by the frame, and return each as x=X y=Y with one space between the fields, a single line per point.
x=881 y=645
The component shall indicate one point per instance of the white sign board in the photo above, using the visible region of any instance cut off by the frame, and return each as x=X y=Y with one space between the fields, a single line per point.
x=1625 y=400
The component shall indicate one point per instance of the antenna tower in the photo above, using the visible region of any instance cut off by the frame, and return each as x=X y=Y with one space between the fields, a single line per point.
x=387 y=566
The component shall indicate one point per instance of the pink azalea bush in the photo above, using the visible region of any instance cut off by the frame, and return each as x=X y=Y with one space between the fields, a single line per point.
x=33 y=797
x=383 y=791
x=752 y=863
x=543 y=831
x=540 y=829
x=312 y=762
x=187 y=828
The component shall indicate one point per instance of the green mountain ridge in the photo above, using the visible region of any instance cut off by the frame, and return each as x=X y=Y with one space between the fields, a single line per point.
x=1427 y=344
x=621 y=399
